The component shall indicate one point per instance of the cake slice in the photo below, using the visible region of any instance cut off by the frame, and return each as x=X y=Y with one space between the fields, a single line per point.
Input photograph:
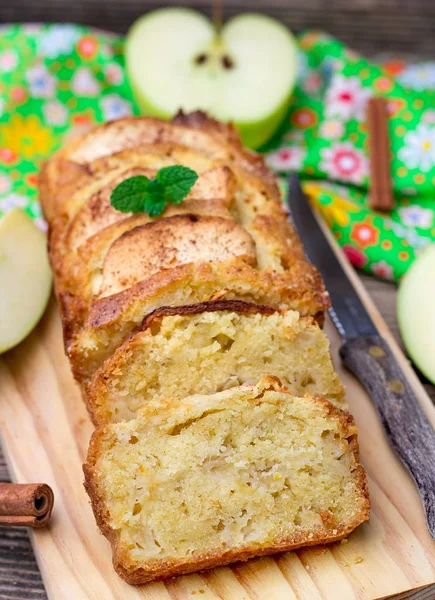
x=113 y=319
x=208 y=480
x=206 y=348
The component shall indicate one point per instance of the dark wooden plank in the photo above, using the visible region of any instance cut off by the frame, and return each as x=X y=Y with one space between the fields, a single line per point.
x=368 y=25
x=19 y=574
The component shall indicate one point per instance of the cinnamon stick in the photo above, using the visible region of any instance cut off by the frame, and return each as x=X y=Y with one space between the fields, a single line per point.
x=380 y=191
x=25 y=505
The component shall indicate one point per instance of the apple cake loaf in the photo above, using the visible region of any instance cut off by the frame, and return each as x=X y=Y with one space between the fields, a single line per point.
x=196 y=338
x=204 y=481
x=209 y=347
x=229 y=239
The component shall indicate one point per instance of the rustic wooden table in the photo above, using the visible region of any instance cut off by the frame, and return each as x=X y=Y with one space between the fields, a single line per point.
x=19 y=574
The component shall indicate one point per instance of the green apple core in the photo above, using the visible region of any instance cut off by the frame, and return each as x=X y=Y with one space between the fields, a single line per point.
x=215 y=57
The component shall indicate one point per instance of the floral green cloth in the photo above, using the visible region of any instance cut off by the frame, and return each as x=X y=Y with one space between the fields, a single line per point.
x=325 y=136
x=56 y=80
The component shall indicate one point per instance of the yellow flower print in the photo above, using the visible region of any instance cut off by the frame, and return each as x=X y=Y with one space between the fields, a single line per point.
x=338 y=209
x=26 y=136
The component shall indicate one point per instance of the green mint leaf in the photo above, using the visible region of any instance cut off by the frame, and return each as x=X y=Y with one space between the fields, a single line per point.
x=155 y=202
x=177 y=182
x=140 y=194
x=129 y=195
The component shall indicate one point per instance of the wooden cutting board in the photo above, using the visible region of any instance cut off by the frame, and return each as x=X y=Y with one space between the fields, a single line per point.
x=46 y=431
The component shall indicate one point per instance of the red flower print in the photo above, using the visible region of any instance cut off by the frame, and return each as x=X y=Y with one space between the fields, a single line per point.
x=114 y=74
x=87 y=46
x=312 y=83
x=82 y=119
x=364 y=234
x=346 y=98
x=344 y=162
x=303 y=118
x=394 y=105
x=80 y=123
x=19 y=94
x=393 y=67
x=286 y=159
x=32 y=179
x=355 y=256
x=383 y=84
x=8 y=156
x=383 y=269
x=308 y=40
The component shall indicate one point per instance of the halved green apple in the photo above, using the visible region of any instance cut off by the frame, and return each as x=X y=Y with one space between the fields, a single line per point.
x=416 y=314
x=245 y=73
x=25 y=277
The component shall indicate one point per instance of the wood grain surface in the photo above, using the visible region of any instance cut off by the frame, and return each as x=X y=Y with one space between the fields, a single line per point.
x=19 y=574
x=370 y=26
x=46 y=431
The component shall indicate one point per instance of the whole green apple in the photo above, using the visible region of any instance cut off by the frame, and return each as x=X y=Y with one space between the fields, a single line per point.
x=245 y=73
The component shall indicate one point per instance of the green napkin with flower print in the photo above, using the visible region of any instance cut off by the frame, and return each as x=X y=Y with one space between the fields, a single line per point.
x=57 y=80
x=324 y=136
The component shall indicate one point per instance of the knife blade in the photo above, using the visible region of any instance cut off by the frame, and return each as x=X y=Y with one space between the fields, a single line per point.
x=368 y=356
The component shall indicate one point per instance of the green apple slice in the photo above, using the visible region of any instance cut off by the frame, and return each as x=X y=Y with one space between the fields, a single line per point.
x=175 y=59
x=25 y=277
x=416 y=314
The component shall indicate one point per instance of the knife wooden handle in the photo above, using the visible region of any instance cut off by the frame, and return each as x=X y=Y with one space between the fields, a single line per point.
x=405 y=424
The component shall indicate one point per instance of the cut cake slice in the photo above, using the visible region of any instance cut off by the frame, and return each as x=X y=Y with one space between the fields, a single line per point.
x=208 y=480
x=206 y=348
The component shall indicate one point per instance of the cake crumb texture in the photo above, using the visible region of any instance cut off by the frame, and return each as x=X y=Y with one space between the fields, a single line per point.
x=208 y=480
x=223 y=345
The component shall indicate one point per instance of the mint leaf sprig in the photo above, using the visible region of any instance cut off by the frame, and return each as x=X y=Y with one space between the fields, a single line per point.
x=140 y=194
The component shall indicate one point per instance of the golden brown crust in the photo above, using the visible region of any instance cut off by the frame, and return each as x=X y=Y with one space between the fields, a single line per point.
x=87 y=211
x=291 y=292
x=252 y=161
x=54 y=175
x=81 y=180
x=247 y=308
x=97 y=225
x=215 y=140
x=93 y=180
x=163 y=570
x=140 y=253
x=117 y=316
x=72 y=165
x=97 y=213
